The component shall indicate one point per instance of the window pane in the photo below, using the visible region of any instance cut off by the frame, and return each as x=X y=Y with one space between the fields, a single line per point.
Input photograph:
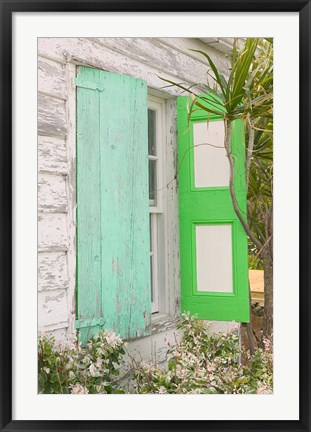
x=153 y=180
x=151 y=132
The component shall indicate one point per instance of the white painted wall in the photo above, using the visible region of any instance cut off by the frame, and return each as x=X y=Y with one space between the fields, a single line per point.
x=144 y=58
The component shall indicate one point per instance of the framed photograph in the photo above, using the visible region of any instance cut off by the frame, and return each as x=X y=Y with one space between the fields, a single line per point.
x=155 y=215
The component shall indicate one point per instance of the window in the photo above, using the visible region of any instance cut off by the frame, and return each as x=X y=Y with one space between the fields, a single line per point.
x=129 y=218
x=156 y=139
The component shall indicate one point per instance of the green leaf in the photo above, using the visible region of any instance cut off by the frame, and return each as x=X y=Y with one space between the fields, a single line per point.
x=241 y=71
x=219 y=78
x=54 y=378
x=41 y=382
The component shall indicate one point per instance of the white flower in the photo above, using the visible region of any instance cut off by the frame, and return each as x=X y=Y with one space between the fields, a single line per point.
x=47 y=370
x=71 y=375
x=112 y=339
x=99 y=363
x=162 y=390
x=263 y=389
x=195 y=391
x=86 y=359
x=79 y=389
x=93 y=370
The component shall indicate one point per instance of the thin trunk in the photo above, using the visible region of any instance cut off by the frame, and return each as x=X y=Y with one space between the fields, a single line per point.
x=249 y=154
x=268 y=286
x=249 y=326
x=266 y=253
x=231 y=187
x=269 y=228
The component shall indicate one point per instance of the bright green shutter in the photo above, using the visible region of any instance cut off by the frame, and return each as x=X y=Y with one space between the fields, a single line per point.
x=113 y=273
x=211 y=207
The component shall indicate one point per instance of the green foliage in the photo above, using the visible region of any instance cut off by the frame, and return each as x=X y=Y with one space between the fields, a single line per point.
x=246 y=94
x=200 y=363
x=80 y=370
x=207 y=364
x=254 y=263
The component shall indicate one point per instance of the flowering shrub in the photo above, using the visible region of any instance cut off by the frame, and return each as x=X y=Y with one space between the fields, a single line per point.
x=207 y=364
x=201 y=363
x=80 y=370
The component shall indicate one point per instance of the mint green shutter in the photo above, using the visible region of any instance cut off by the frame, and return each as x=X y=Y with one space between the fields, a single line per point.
x=113 y=274
x=211 y=237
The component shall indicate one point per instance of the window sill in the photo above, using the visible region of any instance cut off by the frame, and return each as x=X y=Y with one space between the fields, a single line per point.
x=161 y=322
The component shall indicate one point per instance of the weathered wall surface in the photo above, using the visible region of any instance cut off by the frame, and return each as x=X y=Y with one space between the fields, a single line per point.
x=144 y=58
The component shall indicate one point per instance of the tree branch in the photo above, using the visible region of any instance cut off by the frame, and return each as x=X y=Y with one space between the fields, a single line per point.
x=231 y=186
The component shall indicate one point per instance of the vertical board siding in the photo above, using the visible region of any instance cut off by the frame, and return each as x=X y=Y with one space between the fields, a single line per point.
x=112 y=203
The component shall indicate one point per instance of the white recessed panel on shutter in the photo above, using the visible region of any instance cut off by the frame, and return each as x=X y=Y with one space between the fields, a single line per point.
x=211 y=166
x=214 y=258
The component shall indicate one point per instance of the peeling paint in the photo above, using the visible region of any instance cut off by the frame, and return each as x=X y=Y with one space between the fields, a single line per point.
x=52 y=195
x=145 y=58
x=52 y=271
x=52 y=231
x=51 y=78
x=52 y=156
x=51 y=116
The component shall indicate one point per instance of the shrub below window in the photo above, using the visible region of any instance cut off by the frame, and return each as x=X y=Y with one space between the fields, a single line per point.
x=201 y=363
x=80 y=370
x=207 y=364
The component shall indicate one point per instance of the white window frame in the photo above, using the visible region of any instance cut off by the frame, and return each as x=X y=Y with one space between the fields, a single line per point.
x=157 y=247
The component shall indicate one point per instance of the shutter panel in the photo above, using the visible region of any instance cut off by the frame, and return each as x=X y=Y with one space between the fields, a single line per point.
x=213 y=243
x=113 y=274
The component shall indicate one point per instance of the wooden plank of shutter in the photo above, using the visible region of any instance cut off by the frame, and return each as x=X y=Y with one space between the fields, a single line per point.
x=207 y=220
x=89 y=280
x=112 y=205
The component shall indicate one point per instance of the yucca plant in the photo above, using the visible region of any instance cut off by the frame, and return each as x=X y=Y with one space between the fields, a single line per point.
x=247 y=94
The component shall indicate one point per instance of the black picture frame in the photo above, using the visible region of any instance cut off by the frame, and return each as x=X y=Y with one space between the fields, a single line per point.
x=7 y=10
